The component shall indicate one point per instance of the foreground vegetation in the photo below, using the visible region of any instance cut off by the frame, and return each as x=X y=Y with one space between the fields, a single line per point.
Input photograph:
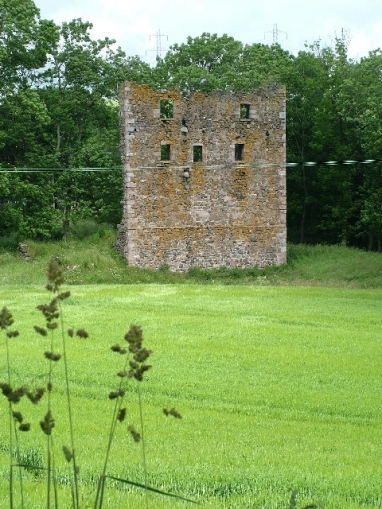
x=279 y=389
x=89 y=258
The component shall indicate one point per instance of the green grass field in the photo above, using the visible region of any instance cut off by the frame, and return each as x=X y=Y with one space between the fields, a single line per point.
x=279 y=387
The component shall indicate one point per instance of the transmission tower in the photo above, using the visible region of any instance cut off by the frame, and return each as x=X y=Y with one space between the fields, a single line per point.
x=158 y=37
x=275 y=33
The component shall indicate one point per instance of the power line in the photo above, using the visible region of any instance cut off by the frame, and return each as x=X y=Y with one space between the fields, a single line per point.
x=228 y=165
x=44 y=170
x=345 y=162
x=349 y=162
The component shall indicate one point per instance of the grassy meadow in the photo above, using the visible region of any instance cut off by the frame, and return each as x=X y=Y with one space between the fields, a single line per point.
x=91 y=259
x=277 y=375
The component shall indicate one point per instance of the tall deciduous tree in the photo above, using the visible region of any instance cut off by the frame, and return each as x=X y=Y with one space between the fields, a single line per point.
x=23 y=42
x=212 y=62
x=200 y=64
x=60 y=115
x=321 y=199
x=81 y=74
x=362 y=103
x=81 y=78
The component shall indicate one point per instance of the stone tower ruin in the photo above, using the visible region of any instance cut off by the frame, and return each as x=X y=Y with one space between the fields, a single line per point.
x=204 y=178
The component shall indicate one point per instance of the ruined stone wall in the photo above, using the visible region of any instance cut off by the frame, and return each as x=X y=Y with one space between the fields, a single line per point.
x=228 y=209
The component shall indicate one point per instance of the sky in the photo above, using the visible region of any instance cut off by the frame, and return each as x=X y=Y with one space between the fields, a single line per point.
x=149 y=27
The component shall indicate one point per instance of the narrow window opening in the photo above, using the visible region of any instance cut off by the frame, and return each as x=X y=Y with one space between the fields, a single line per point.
x=165 y=152
x=166 y=108
x=244 y=110
x=239 y=152
x=198 y=154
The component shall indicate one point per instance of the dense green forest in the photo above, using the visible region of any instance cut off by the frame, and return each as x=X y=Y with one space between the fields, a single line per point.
x=59 y=111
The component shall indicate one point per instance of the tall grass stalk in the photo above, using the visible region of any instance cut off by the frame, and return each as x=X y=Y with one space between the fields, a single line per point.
x=134 y=367
x=143 y=444
x=74 y=484
x=10 y=424
x=117 y=407
x=53 y=312
x=6 y=320
x=19 y=467
x=48 y=430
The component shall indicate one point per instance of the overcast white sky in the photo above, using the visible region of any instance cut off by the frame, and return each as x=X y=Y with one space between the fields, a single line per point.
x=135 y=24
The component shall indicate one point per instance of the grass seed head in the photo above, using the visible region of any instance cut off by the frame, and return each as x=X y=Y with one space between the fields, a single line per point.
x=16 y=395
x=67 y=453
x=116 y=394
x=49 y=311
x=6 y=389
x=52 y=356
x=18 y=417
x=121 y=414
x=172 y=412
x=25 y=426
x=134 y=337
x=55 y=276
x=138 y=375
x=134 y=433
x=35 y=396
x=48 y=423
x=142 y=355
x=134 y=365
x=6 y=319
x=40 y=330
x=13 y=334
x=81 y=333
x=63 y=295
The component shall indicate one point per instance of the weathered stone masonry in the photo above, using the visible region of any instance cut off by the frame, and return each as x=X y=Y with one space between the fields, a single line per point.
x=227 y=209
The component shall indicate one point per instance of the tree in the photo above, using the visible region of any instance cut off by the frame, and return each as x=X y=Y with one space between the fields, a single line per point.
x=62 y=116
x=23 y=42
x=135 y=69
x=370 y=217
x=322 y=198
x=200 y=64
x=96 y=194
x=24 y=119
x=212 y=62
x=81 y=73
x=260 y=65
x=305 y=87
x=24 y=39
